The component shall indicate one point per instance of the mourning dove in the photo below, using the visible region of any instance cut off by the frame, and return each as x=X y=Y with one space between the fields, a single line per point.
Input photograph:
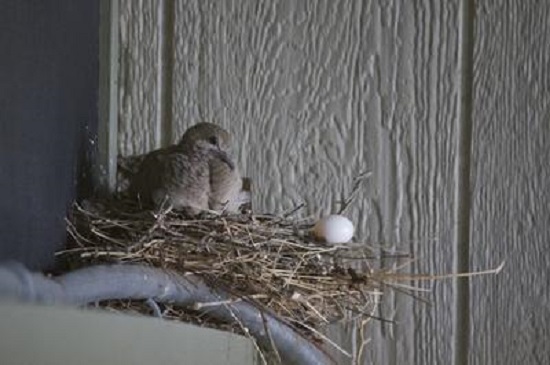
x=225 y=182
x=197 y=173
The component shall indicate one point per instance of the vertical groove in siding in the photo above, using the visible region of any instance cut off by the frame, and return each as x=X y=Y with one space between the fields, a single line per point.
x=138 y=76
x=166 y=64
x=108 y=103
x=463 y=199
x=429 y=139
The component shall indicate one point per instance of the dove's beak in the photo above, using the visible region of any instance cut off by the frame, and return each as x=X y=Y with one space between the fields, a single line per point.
x=224 y=156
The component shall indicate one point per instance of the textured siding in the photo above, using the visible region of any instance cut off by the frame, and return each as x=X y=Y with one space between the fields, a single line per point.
x=510 y=313
x=139 y=76
x=317 y=91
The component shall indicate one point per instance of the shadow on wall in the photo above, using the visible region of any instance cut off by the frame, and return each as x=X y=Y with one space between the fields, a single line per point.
x=48 y=98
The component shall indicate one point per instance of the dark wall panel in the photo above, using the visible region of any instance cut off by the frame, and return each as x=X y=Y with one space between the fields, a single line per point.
x=48 y=117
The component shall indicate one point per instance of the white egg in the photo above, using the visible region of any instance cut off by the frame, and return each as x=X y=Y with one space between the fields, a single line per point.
x=335 y=229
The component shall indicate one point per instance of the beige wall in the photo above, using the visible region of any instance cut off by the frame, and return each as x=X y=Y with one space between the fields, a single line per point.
x=448 y=110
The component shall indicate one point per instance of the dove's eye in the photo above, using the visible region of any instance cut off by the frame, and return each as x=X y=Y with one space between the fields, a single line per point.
x=213 y=140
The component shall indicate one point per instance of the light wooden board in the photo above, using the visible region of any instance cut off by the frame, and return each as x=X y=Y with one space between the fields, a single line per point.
x=316 y=92
x=510 y=313
x=57 y=335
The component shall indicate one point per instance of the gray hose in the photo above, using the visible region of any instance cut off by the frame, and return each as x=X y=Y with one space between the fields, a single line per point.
x=104 y=282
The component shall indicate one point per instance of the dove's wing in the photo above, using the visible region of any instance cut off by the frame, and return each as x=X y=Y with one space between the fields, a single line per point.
x=151 y=182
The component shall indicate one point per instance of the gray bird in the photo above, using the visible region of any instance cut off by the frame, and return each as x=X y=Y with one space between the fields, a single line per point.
x=183 y=175
x=225 y=182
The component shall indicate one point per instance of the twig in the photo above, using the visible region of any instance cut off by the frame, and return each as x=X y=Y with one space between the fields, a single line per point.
x=355 y=188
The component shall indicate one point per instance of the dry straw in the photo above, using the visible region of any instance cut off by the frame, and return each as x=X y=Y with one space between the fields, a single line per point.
x=269 y=260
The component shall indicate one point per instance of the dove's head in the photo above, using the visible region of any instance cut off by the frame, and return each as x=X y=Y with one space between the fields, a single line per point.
x=205 y=131
x=211 y=139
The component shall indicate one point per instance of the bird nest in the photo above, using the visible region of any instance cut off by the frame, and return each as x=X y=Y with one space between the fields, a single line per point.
x=270 y=260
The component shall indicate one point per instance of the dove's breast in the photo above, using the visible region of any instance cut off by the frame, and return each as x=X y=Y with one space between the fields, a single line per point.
x=225 y=185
